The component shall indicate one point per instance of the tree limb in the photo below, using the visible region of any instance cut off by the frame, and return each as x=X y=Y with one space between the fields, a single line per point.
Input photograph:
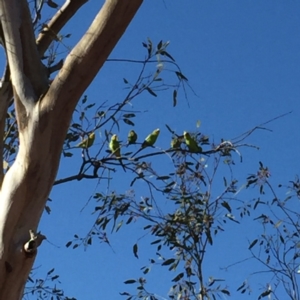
x=27 y=73
x=5 y=98
x=59 y=20
x=88 y=56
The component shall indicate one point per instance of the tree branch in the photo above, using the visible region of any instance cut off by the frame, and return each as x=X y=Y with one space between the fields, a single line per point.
x=27 y=72
x=59 y=20
x=5 y=97
x=88 y=56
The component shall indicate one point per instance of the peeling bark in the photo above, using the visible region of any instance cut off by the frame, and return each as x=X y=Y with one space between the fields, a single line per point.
x=43 y=119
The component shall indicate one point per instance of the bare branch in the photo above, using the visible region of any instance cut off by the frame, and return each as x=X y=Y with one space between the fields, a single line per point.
x=59 y=20
x=28 y=75
x=88 y=56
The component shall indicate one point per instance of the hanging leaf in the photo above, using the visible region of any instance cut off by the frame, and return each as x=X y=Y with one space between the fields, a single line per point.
x=265 y=294
x=129 y=115
x=50 y=272
x=130 y=281
x=225 y=292
x=169 y=128
x=165 y=53
x=168 y=262
x=159 y=45
x=178 y=277
x=135 y=250
x=253 y=244
x=128 y=122
x=174 y=98
x=68 y=244
x=52 y=4
x=151 y=92
x=226 y=205
x=181 y=76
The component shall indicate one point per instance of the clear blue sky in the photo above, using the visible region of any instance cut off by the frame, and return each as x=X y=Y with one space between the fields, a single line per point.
x=242 y=59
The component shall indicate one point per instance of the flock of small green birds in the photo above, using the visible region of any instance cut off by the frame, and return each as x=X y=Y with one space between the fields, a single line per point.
x=115 y=146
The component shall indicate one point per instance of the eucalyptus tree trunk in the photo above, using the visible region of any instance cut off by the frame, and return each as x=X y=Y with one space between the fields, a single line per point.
x=43 y=113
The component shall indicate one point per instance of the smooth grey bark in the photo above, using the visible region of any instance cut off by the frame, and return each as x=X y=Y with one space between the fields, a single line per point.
x=43 y=114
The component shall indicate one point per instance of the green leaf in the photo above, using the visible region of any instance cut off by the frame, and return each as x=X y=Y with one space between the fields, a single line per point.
x=89 y=106
x=226 y=205
x=163 y=177
x=54 y=277
x=181 y=76
x=119 y=225
x=129 y=115
x=174 y=98
x=165 y=53
x=231 y=217
x=253 y=244
x=129 y=220
x=208 y=235
x=151 y=92
x=241 y=287
x=52 y=4
x=67 y=154
x=168 y=262
x=68 y=244
x=250 y=182
x=84 y=99
x=169 y=128
x=135 y=250
x=156 y=242
x=258 y=202
x=178 y=277
x=278 y=224
x=159 y=45
x=128 y=122
x=265 y=294
x=225 y=292
x=281 y=239
x=130 y=281
x=50 y=272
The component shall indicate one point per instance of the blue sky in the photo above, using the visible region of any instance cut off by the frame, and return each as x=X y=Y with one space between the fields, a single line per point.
x=242 y=60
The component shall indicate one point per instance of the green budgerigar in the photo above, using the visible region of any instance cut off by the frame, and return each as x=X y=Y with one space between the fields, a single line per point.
x=132 y=137
x=151 y=139
x=175 y=143
x=191 y=143
x=87 y=142
x=114 y=146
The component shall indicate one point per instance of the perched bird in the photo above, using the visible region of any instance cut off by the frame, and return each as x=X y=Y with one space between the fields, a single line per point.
x=191 y=143
x=175 y=143
x=132 y=137
x=151 y=139
x=87 y=142
x=114 y=146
